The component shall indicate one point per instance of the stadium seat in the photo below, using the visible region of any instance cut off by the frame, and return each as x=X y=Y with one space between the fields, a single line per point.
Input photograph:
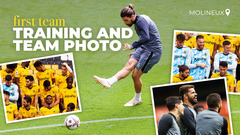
x=44 y=61
x=48 y=66
x=50 y=60
x=54 y=66
x=4 y=66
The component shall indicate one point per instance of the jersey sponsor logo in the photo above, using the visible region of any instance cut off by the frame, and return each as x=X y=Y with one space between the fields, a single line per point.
x=180 y=56
x=199 y=59
x=69 y=96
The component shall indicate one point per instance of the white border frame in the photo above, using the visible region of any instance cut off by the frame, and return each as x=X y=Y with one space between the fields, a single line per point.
x=75 y=77
x=195 y=32
x=155 y=86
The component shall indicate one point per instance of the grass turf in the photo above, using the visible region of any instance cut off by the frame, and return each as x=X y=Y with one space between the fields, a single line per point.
x=98 y=103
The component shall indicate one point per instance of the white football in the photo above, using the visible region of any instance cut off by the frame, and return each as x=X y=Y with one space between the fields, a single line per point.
x=72 y=122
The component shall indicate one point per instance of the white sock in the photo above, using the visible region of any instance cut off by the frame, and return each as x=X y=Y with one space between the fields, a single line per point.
x=112 y=80
x=138 y=96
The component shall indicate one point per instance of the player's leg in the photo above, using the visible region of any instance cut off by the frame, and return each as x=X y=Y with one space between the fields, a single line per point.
x=145 y=63
x=136 y=76
x=120 y=75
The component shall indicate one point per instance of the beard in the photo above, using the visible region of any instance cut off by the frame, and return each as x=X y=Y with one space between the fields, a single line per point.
x=193 y=101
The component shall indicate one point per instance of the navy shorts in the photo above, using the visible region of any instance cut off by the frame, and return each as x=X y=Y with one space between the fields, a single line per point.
x=146 y=59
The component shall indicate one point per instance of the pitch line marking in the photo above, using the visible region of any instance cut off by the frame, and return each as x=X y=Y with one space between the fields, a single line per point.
x=84 y=122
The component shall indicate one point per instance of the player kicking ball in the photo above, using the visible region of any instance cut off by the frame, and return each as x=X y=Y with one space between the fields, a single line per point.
x=148 y=51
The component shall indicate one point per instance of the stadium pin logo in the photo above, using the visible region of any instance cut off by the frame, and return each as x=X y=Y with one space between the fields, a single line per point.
x=227 y=11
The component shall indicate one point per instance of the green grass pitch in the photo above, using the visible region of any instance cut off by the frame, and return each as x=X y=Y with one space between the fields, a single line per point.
x=98 y=103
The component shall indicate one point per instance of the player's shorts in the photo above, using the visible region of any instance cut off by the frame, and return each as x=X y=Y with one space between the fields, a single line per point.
x=146 y=59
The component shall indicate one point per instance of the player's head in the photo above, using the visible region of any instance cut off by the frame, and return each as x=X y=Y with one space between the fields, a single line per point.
x=70 y=107
x=8 y=80
x=6 y=96
x=49 y=99
x=26 y=63
x=29 y=80
x=38 y=65
x=226 y=36
x=188 y=94
x=189 y=35
x=214 y=101
x=11 y=67
x=180 y=40
x=200 y=42
x=128 y=15
x=64 y=69
x=174 y=103
x=223 y=67
x=27 y=101
x=183 y=71
x=69 y=81
x=226 y=47
x=47 y=85
x=198 y=107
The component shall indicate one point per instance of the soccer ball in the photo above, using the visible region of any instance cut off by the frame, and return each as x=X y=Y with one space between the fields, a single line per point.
x=72 y=122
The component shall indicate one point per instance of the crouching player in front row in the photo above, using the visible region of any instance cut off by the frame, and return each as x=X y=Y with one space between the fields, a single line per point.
x=27 y=110
x=11 y=108
x=49 y=110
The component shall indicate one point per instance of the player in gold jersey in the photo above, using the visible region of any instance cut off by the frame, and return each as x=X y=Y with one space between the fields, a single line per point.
x=223 y=67
x=190 y=40
x=223 y=38
x=61 y=79
x=69 y=94
x=238 y=55
x=48 y=110
x=70 y=108
x=20 y=73
x=8 y=71
x=11 y=108
x=44 y=74
x=28 y=111
x=183 y=75
x=32 y=90
x=50 y=90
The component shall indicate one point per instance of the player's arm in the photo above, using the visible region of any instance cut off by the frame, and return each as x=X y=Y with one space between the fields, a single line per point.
x=61 y=103
x=189 y=60
x=216 y=62
x=15 y=96
x=237 y=52
x=233 y=66
x=22 y=98
x=53 y=76
x=69 y=69
x=225 y=127
x=189 y=121
x=36 y=100
x=208 y=65
x=232 y=84
x=216 y=46
x=164 y=124
x=57 y=100
x=77 y=104
x=16 y=114
x=43 y=102
x=143 y=27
